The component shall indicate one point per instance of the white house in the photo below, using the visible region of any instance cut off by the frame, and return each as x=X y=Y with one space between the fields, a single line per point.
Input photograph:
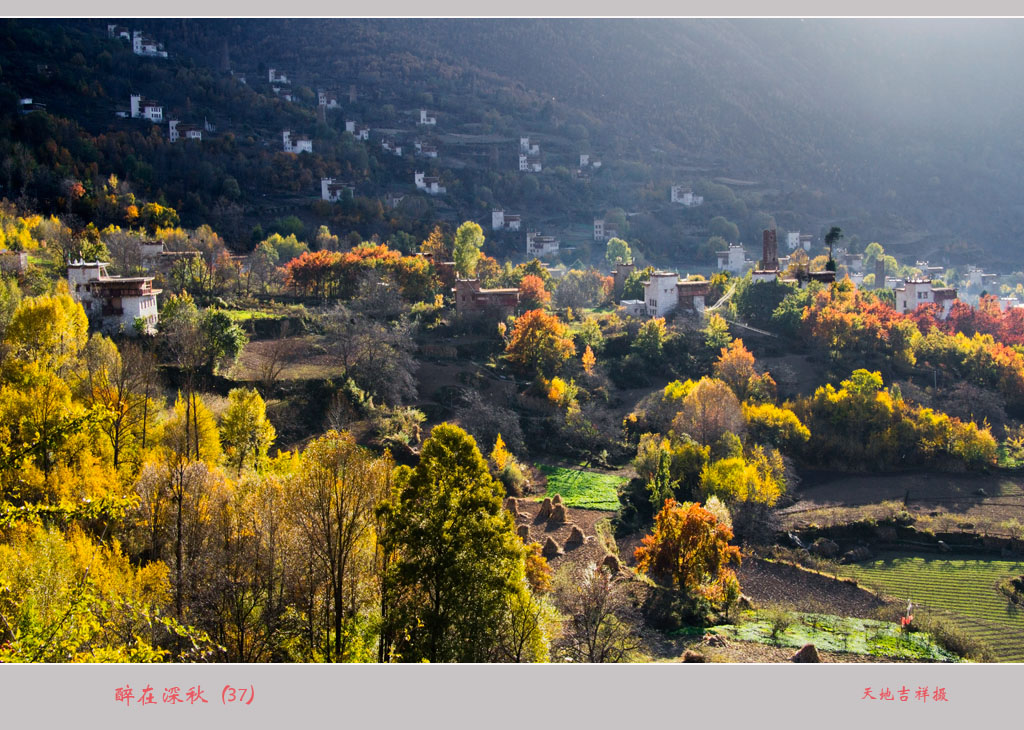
x=633 y=307
x=528 y=149
x=502 y=222
x=296 y=145
x=146 y=109
x=978 y=279
x=143 y=45
x=1010 y=302
x=540 y=246
x=360 y=131
x=119 y=31
x=429 y=185
x=393 y=200
x=684 y=196
x=664 y=293
x=327 y=99
x=277 y=77
x=584 y=159
x=389 y=145
x=915 y=292
x=603 y=231
x=734 y=260
x=426 y=150
x=529 y=164
x=13 y=262
x=795 y=240
x=114 y=302
x=427 y=118
x=333 y=191
x=187 y=131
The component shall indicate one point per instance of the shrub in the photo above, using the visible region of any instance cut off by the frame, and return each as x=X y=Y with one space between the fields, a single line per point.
x=778 y=622
x=952 y=639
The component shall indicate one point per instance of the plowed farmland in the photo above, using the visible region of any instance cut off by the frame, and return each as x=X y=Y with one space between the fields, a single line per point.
x=962 y=588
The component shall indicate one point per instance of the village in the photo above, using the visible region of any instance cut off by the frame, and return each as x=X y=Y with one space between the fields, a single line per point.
x=365 y=293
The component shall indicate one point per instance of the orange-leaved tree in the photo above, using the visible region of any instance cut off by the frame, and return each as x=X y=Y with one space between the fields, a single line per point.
x=532 y=292
x=539 y=343
x=689 y=549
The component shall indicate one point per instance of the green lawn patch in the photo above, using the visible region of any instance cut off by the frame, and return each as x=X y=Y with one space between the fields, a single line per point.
x=963 y=588
x=836 y=633
x=584 y=489
x=244 y=315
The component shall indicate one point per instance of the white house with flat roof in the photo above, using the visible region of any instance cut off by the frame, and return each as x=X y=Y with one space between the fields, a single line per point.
x=734 y=260
x=114 y=302
x=912 y=293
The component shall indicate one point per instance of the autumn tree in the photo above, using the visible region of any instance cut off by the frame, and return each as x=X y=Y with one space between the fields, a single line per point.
x=539 y=343
x=245 y=429
x=436 y=246
x=709 y=410
x=458 y=561
x=650 y=340
x=735 y=367
x=617 y=250
x=598 y=613
x=48 y=330
x=589 y=361
x=532 y=294
x=689 y=550
x=124 y=385
x=334 y=501
x=469 y=239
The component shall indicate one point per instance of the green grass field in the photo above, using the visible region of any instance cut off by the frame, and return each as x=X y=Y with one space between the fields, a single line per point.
x=584 y=489
x=836 y=633
x=958 y=587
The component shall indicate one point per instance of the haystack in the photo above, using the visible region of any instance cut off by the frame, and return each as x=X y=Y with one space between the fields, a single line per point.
x=808 y=654
x=551 y=548
x=559 y=513
x=693 y=657
x=545 y=509
x=576 y=537
x=715 y=640
x=557 y=499
x=523 y=531
x=611 y=562
x=512 y=506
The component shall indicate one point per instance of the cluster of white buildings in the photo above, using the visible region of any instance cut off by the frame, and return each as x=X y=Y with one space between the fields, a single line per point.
x=142 y=44
x=428 y=119
x=296 y=145
x=684 y=196
x=529 y=156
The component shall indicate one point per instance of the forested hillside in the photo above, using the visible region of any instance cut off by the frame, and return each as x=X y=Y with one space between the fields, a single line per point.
x=902 y=131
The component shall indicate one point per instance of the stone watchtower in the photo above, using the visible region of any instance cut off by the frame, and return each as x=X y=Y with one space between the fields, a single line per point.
x=770 y=253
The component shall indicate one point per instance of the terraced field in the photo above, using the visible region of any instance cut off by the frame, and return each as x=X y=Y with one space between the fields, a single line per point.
x=585 y=489
x=962 y=588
